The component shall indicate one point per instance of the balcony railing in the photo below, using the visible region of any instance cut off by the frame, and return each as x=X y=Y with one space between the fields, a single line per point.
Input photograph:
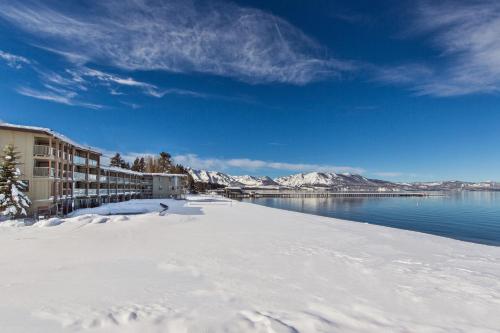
x=43 y=150
x=91 y=177
x=92 y=191
x=79 y=176
x=43 y=172
x=92 y=162
x=78 y=192
x=79 y=160
x=103 y=179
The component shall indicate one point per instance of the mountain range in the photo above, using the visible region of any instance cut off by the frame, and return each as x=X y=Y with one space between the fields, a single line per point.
x=332 y=180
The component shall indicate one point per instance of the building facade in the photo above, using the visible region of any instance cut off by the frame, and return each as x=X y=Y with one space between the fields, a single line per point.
x=63 y=175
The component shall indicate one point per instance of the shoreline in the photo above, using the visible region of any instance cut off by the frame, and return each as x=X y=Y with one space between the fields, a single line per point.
x=446 y=221
x=233 y=266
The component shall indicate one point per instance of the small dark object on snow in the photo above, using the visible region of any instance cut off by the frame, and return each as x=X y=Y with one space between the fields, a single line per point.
x=165 y=208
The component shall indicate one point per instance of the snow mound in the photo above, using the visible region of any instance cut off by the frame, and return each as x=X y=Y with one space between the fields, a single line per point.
x=12 y=223
x=49 y=222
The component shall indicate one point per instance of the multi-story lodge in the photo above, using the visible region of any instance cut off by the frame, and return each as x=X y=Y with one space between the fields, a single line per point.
x=63 y=175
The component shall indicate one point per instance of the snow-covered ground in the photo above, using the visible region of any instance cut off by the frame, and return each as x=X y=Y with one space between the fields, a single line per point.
x=220 y=266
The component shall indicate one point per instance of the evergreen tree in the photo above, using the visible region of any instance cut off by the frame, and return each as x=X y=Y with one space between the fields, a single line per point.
x=116 y=161
x=136 y=165
x=125 y=165
x=142 y=165
x=165 y=162
x=13 y=202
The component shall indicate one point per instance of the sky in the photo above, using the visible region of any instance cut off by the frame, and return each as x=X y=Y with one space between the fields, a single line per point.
x=396 y=90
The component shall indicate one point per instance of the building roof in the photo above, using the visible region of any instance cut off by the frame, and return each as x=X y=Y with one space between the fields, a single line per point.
x=62 y=137
x=50 y=132
x=165 y=174
x=117 y=169
x=131 y=172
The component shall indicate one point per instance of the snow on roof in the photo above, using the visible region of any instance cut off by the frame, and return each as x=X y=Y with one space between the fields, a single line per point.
x=165 y=174
x=131 y=172
x=76 y=144
x=117 y=169
x=52 y=133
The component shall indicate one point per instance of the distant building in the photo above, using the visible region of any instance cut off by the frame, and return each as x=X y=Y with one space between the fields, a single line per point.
x=167 y=185
x=63 y=175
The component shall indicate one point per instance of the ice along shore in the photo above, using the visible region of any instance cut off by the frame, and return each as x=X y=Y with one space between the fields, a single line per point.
x=214 y=265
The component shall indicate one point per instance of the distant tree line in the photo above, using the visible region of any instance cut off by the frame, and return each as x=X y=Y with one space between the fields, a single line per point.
x=161 y=163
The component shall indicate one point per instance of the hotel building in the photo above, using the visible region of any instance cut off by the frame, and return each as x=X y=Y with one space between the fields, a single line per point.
x=63 y=175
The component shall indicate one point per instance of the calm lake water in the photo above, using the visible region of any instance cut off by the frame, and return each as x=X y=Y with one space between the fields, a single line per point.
x=468 y=216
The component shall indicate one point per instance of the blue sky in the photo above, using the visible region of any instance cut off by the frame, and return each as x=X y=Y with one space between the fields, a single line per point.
x=399 y=90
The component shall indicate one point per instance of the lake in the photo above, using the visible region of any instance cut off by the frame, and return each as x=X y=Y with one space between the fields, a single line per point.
x=468 y=216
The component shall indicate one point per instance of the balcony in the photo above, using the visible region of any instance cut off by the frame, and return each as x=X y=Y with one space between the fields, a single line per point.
x=43 y=172
x=79 y=160
x=92 y=162
x=92 y=191
x=43 y=150
x=79 y=176
x=79 y=192
x=103 y=179
x=91 y=177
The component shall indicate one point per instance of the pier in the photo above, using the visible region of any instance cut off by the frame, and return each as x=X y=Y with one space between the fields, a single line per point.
x=243 y=193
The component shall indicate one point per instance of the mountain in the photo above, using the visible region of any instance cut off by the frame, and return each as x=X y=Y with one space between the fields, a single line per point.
x=212 y=177
x=331 y=179
x=255 y=181
x=302 y=179
x=451 y=185
x=337 y=181
x=219 y=178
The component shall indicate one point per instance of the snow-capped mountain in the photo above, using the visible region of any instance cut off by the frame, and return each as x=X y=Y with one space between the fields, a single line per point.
x=212 y=177
x=334 y=180
x=329 y=179
x=219 y=178
x=255 y=181
x=297 y=180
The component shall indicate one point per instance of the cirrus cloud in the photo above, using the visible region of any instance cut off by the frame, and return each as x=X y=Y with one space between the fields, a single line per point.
x=466 y=35
x=216 y=38
x=14 y=61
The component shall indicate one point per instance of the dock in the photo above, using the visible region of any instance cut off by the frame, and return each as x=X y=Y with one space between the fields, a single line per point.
x=243 y=193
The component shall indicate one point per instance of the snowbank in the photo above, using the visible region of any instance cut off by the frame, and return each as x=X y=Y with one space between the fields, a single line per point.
x=212 y=265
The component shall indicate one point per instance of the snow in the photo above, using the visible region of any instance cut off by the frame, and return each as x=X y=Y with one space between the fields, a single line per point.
x=213 y=265
x=214 y=177
x=328 y=179
x=17 y=202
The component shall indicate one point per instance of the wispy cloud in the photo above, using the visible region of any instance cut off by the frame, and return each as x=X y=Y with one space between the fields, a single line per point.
x=56 y=95
x=178 y=36
x=14 y=61
x=196 y=162
x=466 y=35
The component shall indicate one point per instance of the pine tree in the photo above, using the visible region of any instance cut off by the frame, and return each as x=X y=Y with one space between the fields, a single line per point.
x=136 y=165
x=116 y=161
x=125 y=165
x=165 y=162
x=13 y=202
x=142 y=165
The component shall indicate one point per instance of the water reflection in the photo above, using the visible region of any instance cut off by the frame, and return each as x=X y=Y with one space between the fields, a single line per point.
x=470 y=216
